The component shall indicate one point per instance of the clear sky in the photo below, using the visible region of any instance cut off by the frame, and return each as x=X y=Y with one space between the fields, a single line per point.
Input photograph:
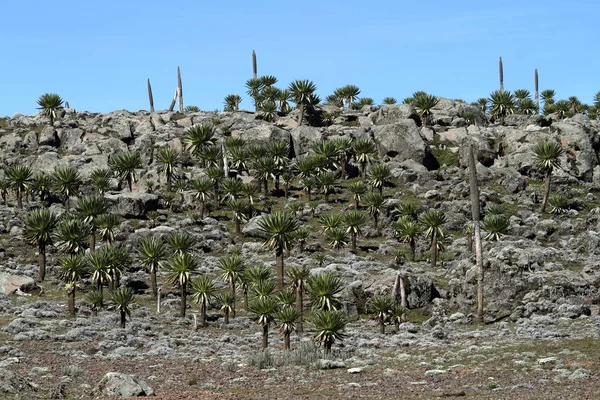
x=98 y=54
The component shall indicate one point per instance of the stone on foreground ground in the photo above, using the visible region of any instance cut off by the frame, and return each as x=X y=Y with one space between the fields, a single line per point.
x=117 y=384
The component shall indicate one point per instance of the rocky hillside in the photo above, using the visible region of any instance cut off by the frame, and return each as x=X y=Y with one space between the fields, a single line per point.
x=545 y=264
x=541 y=253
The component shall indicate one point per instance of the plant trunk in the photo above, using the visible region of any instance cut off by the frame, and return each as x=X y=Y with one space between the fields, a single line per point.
x=19 y=198
x=232 y=288
x=375 y=220
x=537 y=92
x=116 y=279
x=226 y=316
x=301 y=116
x=413 y=249
x=238 y=231
x=353 y=242
x=381 y=326
x=225 y=160
x=100 y=288
x=469 y=242
x=381 y=189
x=168 y=182
x=501 y=73
x=279 y=267
x=93 y=241
x=308 y=194
x=150 y=97
x=153 y=285
x=158 y=302
x=356 y=203
x=216 y=198
x=475 y=210
x=203 y=314
x=123 y=319
x=300 y=307
x=343 y=168
x=172 y=105
x=286 y=341
x=71 y=302
x=434 y=250
x=41 y=262
x=182 y=303
x=328 y=344
x=202 y=210
x=546 y=191
x=403 y=300
x=129 y=185
x=179 y=90
x=265 y=336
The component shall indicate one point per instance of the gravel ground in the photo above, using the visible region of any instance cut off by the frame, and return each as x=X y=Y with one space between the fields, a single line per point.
x=504 y=361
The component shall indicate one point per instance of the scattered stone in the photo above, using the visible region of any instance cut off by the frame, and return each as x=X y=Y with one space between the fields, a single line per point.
x=354 y=370
x=435 y=372
x=13 y=283
x=330 y=364
x=9 y=361
x=579 y=374
x=117 y=384
x=548 y=361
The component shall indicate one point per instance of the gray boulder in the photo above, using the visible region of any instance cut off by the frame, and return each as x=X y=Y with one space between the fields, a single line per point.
x=579 y=141
x=401 y=140
x=144 y=126
x=10 y=142
x=303 y=138
x=393 y=113
x=116 y=384
x=48 y=137
x=71 y=141
x=132 y=204
x=108 y=146
x=12 y=283
x=449 y=112
x=262 y=134
x=252 y=229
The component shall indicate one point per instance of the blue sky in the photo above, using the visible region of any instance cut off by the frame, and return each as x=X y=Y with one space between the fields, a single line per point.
x=98 y=54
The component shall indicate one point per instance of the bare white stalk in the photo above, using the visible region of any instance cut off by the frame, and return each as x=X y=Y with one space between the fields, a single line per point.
x=158 y=301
